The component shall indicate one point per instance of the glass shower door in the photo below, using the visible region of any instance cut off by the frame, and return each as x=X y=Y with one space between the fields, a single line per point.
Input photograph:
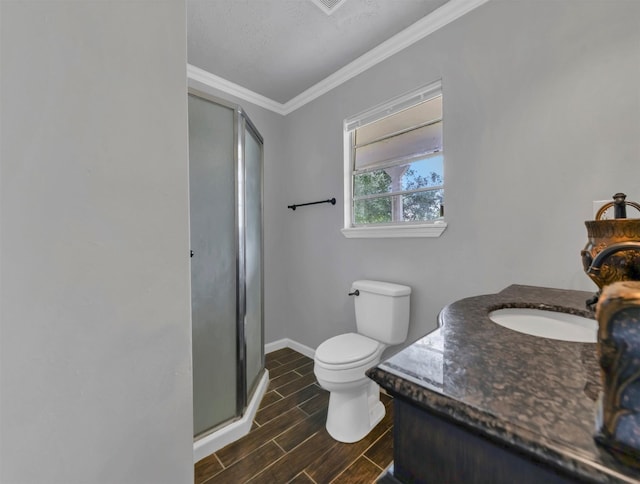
x=254 y=334
x=214 y=271
x=225 y=176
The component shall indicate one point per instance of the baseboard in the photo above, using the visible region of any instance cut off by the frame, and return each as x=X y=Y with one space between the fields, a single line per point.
x=208 y=444
x=276 y=345
x=289 y=343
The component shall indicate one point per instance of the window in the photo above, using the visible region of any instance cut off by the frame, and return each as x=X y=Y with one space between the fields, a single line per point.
x=394 y=168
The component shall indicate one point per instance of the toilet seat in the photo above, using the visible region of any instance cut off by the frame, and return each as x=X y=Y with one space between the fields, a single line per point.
x=346 y=351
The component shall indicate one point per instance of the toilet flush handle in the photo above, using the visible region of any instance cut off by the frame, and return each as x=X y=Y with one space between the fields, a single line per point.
x=354 y=293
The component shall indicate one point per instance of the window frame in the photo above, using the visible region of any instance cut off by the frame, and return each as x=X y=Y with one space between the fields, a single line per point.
x=376 y=113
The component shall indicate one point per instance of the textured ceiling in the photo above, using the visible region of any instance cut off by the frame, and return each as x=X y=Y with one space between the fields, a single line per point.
x=280 y=48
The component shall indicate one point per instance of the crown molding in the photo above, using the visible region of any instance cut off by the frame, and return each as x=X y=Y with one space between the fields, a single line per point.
x=437 y=19
x=217 y=82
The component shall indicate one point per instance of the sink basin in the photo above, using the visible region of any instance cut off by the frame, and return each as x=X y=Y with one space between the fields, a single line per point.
x=547 y=324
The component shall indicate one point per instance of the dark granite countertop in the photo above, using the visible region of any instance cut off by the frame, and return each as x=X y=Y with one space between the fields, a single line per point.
x=537 y=395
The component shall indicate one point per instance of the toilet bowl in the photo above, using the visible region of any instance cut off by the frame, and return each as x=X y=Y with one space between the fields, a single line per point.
x=340 y=363
x=354 y=403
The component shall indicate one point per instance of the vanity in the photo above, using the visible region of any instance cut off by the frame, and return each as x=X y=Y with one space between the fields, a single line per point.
x=478 y=402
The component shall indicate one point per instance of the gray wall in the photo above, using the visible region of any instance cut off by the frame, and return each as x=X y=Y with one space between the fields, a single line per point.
x=541 y=117
x=95 y=345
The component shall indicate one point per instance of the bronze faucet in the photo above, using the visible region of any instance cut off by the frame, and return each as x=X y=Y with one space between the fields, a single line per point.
x=613 y=251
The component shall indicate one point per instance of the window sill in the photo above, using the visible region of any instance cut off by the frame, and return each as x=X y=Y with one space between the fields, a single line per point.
x=395 y=231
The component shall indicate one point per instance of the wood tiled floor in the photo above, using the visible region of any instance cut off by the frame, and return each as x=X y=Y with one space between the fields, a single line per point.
x=288 y=441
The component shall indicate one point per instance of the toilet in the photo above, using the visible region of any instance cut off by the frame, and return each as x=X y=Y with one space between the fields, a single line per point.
x=382 y=319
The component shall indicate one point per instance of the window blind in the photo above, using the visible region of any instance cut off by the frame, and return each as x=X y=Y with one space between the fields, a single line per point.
x=403 y=148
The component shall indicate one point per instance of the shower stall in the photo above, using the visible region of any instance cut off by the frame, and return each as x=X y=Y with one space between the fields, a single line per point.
x=225 y=177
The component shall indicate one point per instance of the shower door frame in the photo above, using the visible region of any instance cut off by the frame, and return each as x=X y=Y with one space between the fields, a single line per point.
x=242 y=123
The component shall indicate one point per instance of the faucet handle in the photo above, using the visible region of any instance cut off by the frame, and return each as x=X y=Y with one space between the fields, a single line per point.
x=620 y=206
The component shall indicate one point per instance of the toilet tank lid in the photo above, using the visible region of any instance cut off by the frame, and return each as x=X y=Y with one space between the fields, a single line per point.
x=385 y=288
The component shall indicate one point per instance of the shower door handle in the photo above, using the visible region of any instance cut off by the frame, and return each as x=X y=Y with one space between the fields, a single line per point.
x=190 y=253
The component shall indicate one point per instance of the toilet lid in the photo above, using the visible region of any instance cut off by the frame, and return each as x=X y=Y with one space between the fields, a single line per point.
x=346 y=348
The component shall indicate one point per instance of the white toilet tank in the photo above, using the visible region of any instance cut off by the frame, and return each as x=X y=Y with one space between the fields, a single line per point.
x=382 y=310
